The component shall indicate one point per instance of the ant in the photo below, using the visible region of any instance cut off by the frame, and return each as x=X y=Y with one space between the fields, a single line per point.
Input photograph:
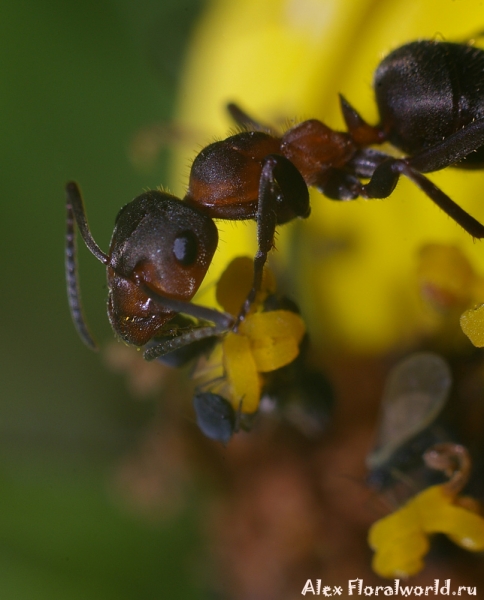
x=430 y=97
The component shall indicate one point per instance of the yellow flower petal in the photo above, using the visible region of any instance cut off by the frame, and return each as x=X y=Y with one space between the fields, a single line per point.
x=400 y=539
x=241 y=372
x=399 y=543
x=402 y=560
x=464 y=528
x=392 y=527
x=235 y=284
x=440 y=514
x=478 y=290
x=445 y=275
x=274 y=338
x=472 y=323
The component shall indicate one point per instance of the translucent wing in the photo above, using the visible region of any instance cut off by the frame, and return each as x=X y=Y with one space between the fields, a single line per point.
x=415 y=392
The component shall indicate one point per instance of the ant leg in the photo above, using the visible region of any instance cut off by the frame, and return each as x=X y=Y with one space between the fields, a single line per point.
x=223 y=321
x=76 y=214
x=385 y=178
x=283 y=195
x=451 y=150
x=197 y=334
x=243 y=119
x=339 y=185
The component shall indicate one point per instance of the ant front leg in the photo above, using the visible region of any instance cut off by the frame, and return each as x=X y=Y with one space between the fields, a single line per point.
x=283 y=196
x=182 y=348
x=197 y=336
x=385 y=178
x=222 y=321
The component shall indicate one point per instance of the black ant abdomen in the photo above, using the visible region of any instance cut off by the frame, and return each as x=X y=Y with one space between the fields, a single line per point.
x=427 y=91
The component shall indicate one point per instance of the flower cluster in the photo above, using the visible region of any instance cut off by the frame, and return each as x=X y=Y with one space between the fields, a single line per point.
x=400 y=540
x=264 y=341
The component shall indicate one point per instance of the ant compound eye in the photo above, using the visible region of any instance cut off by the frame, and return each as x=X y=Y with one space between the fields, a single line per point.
x=185 y=248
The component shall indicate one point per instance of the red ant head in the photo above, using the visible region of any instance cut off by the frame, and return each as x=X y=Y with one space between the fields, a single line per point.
x=161 y=242
x=160 y=252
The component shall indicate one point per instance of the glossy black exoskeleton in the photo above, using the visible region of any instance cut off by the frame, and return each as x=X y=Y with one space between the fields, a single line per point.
x=430 y=95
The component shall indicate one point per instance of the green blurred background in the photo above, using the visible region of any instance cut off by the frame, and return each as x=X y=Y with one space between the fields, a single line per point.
x=78 y=80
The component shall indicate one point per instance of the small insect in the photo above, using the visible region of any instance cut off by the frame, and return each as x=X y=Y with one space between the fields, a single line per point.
x=415 y=393
x=430 y=97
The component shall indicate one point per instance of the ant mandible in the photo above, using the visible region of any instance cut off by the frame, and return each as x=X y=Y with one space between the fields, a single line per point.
x=430 y=97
